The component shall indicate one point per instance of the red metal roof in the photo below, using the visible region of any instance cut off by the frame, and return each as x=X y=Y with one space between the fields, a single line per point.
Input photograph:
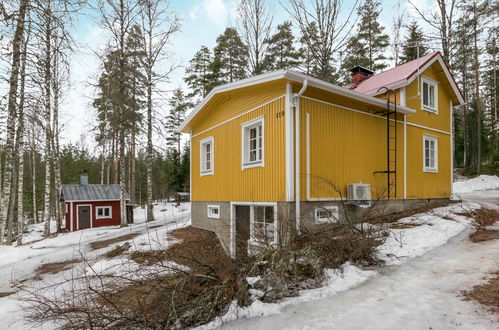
x=382 y=79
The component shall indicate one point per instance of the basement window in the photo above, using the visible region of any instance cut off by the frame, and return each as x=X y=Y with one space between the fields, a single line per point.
x=214 y=211
x=326 y=214
x=104 y=212
x=253 y=143
x=206 y=157
x=430 y=153
x=429 y=98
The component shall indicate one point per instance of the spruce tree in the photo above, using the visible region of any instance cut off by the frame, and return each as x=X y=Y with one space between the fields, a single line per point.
x=281 y=50
x=198 y=72
x=366 y=48
x=413 y=44
x=232 y=54
x=179 y=105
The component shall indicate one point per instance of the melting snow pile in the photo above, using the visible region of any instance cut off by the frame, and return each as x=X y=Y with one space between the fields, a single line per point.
x=482 y=182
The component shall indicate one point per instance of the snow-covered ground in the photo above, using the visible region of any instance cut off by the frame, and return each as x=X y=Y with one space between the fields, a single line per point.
x=427 y=267
x=18 y=263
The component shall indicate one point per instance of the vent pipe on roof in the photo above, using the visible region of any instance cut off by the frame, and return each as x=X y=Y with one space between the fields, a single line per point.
x=360 y=73
x=84 y=178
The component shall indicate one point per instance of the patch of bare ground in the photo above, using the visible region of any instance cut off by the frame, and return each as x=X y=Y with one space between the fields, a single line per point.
x=118 y=250
x=55 y=267
x=6 y=294
x=486 y=294
x=105 y=243
x=394 y=217
x=403 y=225
x=483 y=219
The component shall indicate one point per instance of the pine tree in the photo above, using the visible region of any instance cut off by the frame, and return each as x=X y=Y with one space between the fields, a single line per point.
x=179 y=105
x=281 y=50
x=414 y=43
x=233 y=55
x=198 y=73
x=366 y=48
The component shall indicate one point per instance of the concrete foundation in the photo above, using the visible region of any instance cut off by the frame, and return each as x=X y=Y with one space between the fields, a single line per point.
x=286 y=214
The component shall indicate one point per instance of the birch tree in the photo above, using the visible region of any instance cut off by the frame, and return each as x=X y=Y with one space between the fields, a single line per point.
x=158 y=26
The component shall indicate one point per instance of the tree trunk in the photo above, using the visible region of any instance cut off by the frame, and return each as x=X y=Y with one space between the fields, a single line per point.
x=150 y=215
x=133 y=166
x=47 y=115
x=33 y=174
x=477 y=94
x=11 y=116
x=55 y=145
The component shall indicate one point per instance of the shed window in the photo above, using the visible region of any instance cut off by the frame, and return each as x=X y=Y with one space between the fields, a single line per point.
x=430 y=95
x=104 y=212
x=326 y=214
x=430 y=152
x=207 y=153
x=214 y=211
x=253 y=143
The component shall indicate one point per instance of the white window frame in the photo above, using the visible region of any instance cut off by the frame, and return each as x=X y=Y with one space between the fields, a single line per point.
x=253 y=241
x=103 y=216
x=333 y=212
x=430 y=82
x=202 y=156
x=210 y=214
x=430 y=169
x=245 y=152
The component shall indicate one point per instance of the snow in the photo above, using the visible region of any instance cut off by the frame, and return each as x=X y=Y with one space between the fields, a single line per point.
x=482 y=182
x=18 y=263
x=402 y=245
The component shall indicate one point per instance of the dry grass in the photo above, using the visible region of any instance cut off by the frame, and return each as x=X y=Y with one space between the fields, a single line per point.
x=483 y=219
x=105 y=243
x=486 y=294
x=118 y=250
x=6 y=294
x=56 y=267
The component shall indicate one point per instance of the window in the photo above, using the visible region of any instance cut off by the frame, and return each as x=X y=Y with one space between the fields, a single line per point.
x=214 y=211
x=104 y=212
x=253 y=142
x=429 y=98
x=326 y=214
x=430 y=153
x=263 y=229
x=207 y=152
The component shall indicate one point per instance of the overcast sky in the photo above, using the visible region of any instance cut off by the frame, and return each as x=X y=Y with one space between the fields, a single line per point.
x=202 y=22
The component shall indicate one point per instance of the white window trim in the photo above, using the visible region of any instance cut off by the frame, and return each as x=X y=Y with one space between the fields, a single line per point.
x=425 y=168
x=435 y=85
x=333 y=210
x=211 y=141
x=210 y=214
x=244 y=145
x=103 y=216
x=252 y=240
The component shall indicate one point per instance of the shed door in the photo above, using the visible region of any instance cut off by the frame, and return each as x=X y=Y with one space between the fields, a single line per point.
x=83 y=217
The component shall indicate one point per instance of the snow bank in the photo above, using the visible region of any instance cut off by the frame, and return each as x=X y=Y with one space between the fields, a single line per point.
x=482 y=182
x=434 y=229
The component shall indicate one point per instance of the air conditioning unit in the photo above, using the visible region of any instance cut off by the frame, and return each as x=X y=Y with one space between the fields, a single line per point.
x=359 y=191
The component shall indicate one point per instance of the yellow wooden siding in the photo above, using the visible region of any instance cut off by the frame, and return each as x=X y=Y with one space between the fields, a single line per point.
x=422 y=184
x=230 y=182
x=440 y=121
x=346 y=147
x=230 y=104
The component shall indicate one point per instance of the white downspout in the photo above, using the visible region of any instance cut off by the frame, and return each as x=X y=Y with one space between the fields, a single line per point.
x=296 y=101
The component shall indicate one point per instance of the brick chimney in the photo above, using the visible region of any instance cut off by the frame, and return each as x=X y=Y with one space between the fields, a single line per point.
x=84 y=178
x=360 y=73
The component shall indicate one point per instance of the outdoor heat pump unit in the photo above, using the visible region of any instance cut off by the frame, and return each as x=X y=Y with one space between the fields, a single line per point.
x=359 y=191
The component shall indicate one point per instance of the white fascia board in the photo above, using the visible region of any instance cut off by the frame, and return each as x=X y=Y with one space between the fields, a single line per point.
x=293 y=76
x=344 y=91
x=406 y=82
x=275 y=75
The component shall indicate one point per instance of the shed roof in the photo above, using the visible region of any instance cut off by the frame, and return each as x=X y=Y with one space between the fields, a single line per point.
x=91 y=192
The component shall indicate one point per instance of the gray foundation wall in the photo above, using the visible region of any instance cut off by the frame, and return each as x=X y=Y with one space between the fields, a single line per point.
x=286 y=214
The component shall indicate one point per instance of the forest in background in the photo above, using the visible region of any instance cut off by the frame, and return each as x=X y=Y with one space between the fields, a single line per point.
x=135 y=130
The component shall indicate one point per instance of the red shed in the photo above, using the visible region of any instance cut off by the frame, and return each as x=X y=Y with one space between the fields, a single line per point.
x=92 y=205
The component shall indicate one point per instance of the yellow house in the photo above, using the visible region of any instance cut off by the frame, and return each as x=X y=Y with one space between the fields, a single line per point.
x=283 y=147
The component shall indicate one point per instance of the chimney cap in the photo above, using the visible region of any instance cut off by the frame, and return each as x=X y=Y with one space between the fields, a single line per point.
x=361 y=69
